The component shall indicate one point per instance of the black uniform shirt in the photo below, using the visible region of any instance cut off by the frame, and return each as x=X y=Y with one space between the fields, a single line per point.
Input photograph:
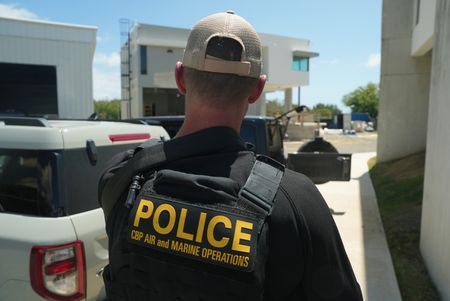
x=307 y=260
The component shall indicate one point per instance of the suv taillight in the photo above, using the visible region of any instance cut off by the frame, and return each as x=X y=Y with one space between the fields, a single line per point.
x=59 y=272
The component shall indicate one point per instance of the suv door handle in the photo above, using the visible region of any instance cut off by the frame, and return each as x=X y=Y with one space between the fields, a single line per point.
x=99 y=273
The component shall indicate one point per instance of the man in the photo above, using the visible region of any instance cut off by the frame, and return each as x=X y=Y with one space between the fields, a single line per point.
x=194 y=231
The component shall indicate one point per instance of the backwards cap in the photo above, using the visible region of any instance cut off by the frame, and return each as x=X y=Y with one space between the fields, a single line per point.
x=225 y=25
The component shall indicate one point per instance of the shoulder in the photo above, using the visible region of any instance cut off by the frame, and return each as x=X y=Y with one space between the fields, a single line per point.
x=297 y=202
x=324 y=263
x=295 y=184
x=311 y=212
x=303 y=194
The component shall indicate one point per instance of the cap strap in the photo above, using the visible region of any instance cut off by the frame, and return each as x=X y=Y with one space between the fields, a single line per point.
x=223 y=66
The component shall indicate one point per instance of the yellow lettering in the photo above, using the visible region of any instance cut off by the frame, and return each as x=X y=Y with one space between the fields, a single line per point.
x=239 y=235
x=150 y=239
x=180 y=229
x=174 y=245
x=141 y=214
x=172 y=216
x=219 y=219
x=201 y=227
x=163 y=243
x=136 y=235
x=224 y=257
x=245 y=264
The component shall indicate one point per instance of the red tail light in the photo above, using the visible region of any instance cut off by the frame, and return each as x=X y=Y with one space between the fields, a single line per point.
x=58 y=273
x=128 y=137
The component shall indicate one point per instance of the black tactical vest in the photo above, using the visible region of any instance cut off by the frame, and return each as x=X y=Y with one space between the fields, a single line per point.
x=193 y=237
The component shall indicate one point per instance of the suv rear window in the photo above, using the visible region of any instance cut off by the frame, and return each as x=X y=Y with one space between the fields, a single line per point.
x=27 y=180
x=81 y=177
x=52 y=183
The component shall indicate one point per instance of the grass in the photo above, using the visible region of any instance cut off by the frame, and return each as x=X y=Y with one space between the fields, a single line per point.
x=399 y=188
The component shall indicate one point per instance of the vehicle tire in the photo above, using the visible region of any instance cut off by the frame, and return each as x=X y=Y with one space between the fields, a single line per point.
x=317 y=145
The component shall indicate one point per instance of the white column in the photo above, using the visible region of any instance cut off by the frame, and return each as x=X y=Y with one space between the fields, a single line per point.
x=287 y=99
x=434 y=238
x=404 y=86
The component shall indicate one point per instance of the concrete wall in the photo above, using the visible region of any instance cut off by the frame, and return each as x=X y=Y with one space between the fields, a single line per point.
x=278 y=58
x=422 y=39
x=68 y=47
x=435 y=238
x=404 y=85
x=160 y=67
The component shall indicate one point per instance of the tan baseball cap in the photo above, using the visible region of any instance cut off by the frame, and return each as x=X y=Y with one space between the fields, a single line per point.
x=226 y=25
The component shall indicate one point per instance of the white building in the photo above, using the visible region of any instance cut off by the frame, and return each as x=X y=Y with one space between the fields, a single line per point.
x=414 y=114
x=151 y=55
x=46 y=68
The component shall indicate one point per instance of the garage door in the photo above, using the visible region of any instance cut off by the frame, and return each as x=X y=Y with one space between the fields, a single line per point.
x=28 y=89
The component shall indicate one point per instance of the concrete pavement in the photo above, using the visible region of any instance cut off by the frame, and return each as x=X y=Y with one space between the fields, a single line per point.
x=355 y=211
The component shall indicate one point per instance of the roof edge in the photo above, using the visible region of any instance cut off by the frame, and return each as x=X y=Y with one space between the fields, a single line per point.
x=45 y=22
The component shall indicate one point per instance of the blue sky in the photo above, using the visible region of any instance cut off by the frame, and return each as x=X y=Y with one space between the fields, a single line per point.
x=347 y=34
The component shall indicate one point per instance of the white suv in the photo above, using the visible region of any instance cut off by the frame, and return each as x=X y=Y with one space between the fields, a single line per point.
x=53 y=243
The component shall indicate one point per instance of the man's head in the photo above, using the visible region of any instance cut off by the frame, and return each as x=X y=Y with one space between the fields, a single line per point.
x=222 y=61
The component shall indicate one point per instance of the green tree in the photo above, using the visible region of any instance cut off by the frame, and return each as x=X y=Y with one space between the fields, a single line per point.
x=363 y=100
x=107 y=109
x=273 y=108
x=326 y=110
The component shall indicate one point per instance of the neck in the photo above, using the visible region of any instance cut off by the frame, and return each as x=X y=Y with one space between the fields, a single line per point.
x=200 y=116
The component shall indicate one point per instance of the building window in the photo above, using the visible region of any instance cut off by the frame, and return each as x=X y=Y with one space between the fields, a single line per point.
x=300 y=63
x=143 y=55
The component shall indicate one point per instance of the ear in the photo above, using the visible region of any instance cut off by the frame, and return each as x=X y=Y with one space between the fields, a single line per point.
x=256 y=93
x=179 y=78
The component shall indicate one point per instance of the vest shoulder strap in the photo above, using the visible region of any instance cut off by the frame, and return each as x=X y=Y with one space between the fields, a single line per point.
x=262 y=184
x=119 y=173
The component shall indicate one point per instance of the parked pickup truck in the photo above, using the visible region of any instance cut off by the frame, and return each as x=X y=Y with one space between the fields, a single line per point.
x=317 y=159
x=53 y=244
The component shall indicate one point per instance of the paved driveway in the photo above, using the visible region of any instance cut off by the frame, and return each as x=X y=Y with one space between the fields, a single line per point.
x=355 y=211
x=359 y=143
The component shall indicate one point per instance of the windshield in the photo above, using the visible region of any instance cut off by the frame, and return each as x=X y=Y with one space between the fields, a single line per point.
x=26 y=182
x=248 y=133
x=275 y=138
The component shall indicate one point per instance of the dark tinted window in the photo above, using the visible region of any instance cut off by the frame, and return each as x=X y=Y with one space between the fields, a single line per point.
x=81 y=177
x=47 y=183
x=248 y=133
x=143 y=55
x=275 y=141
x=27 y=182
x=29 y=89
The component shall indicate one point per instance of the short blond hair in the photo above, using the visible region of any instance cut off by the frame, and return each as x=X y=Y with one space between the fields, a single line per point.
x=220 y=88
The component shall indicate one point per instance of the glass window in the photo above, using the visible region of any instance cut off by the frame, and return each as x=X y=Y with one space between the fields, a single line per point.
x=81 y=177
x=276 y=149
x=248 y=133
x=143 y=55
x=27 y=182
x=300 y=63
